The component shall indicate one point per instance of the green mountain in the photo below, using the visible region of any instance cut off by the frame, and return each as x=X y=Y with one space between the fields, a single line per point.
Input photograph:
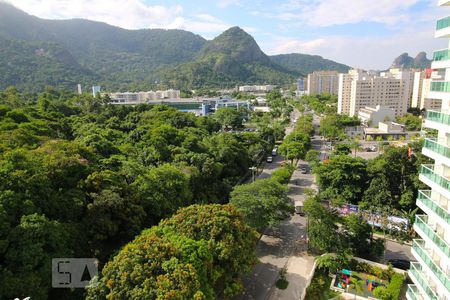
x=405 y=61
x=35 y=52
x=305 y=64
x=231 y=58
x=116 y=57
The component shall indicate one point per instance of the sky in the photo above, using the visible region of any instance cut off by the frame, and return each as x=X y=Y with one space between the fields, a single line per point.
x=366 y=34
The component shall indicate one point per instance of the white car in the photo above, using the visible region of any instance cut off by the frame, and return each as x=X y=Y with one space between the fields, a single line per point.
x=269 y=159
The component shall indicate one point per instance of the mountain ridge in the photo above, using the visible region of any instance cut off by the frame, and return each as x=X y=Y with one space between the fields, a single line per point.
x=93 y=53
x=405 y=61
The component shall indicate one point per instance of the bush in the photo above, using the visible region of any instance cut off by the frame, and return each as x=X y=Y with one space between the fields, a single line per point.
x=392 y=291
x=282 y=282
x=283 y=175
x=395 y=286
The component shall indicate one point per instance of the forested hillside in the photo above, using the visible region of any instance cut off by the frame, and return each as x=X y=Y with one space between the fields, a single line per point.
x=62 y=53
x=305 y=64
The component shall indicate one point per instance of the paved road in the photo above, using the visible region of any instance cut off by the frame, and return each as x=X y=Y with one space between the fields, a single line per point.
x=396 y=250
x=282 y=246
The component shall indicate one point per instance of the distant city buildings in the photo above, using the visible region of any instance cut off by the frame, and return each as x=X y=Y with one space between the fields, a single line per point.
x=323 y=82
x=95 y=90
x=256 y=88
x=301 y=87
x=359 y=89
x=143 y=97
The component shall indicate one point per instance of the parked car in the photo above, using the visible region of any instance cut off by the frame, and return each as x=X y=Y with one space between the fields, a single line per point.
x=269 y=159
x=274 y=151
x=400 y=263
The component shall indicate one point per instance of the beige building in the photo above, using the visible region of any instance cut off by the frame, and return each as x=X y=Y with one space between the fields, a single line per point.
x=421 y=90
x=323 y=82
x=345 y=89
x=359 y=89
x=417 y=88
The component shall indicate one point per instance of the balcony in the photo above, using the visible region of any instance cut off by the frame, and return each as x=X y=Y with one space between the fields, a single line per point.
x=422 y=223
x=441 y=60
x=436 y=151
x=412 y=293
x=442 y=27
x=441 y=55
x=427 y=171
x=443 y=23
x=419 y=248
x=440 y=86
x=424 y=197
x=443 y=2
x=416 y=274
x=439 y=117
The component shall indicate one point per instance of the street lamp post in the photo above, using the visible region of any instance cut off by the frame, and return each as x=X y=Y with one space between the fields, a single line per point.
x=253 y=169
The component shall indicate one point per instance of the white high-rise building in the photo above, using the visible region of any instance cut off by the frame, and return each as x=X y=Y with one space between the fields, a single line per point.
x=358 y=89
x=431 y=273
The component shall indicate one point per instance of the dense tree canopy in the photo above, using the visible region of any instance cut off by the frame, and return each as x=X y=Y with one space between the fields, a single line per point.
x=263 y=202
x=199 y=253
x=81 y=178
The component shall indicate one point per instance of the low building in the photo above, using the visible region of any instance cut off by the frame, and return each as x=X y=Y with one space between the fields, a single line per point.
x=143 y=97
x=385 y=130
x=374 y=115
x=256 y=88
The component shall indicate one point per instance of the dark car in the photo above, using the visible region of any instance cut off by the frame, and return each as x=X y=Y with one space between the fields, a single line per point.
x=400 y=263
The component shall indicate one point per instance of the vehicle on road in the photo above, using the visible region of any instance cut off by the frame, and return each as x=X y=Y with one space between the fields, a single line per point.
x=274 y=151
x=400 y=263
x=371 y=149
x=269 y=159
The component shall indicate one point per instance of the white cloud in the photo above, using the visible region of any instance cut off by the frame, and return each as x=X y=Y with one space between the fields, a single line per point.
x=324 y=13
x=226 y=3
x=130 y=14
x=361 y=52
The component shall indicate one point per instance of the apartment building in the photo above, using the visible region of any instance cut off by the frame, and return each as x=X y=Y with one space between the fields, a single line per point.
x=431 y=273
x=418 y=89
x=358 y=89
x=323 y=82
x=421 y=90
x=345 y=89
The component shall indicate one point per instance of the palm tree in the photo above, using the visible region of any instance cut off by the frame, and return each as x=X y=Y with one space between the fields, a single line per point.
x=355 y=145
x=410 y=215
x=357 y=285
